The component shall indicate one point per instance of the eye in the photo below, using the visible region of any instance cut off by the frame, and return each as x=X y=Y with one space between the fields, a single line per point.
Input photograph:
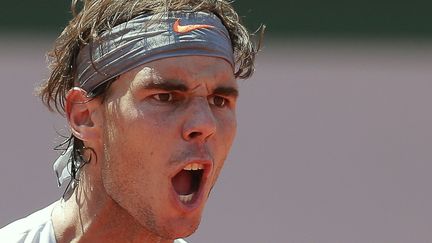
x=163 y=97
x=218 y=101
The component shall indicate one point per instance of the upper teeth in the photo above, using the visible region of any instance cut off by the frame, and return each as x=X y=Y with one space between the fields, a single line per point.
x=194 y=166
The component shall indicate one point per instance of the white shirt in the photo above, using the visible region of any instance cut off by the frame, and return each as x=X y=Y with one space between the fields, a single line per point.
x=35 y=228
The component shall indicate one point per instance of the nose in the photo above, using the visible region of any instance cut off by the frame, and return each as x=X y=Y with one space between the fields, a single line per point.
x=200 y=123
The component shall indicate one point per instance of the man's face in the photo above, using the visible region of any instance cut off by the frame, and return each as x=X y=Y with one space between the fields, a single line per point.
x=168 y=127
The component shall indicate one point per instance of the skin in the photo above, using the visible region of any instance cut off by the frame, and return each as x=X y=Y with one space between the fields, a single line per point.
x=156 y=119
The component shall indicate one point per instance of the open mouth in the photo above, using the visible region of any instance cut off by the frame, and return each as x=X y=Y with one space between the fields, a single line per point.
x=188 y=181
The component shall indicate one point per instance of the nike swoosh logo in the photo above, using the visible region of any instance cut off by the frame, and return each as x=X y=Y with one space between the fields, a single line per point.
x=181 y=29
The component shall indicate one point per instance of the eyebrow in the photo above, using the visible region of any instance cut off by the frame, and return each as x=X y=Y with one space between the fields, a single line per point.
x=176 y=85
x=167 y=85
x=226 y=91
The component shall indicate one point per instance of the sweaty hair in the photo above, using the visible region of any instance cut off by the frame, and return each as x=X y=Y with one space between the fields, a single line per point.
x=92 y=17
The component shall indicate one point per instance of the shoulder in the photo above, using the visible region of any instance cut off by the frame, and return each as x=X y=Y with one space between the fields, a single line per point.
x=180 y=241
x=34 y=228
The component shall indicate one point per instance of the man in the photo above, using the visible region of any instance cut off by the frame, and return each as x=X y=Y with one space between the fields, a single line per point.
x=149 y=91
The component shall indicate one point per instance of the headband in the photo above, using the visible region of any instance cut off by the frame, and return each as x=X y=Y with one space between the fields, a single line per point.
x=140 y=40
x=147 y=38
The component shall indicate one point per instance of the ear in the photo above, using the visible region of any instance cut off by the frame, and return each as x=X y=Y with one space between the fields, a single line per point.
x=83 y=115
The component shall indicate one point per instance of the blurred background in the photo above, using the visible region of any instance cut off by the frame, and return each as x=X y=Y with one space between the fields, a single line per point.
x=334 y=140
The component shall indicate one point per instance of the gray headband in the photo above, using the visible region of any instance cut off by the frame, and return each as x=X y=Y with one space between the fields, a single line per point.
x=148 y=38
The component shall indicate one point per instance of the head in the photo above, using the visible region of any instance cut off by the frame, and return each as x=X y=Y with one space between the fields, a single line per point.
x=159 y=132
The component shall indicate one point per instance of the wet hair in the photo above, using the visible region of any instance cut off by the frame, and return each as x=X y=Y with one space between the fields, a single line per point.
x=77 y=158
x=93 y=17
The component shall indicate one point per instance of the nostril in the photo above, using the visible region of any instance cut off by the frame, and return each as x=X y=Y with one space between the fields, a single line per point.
x=194 y=134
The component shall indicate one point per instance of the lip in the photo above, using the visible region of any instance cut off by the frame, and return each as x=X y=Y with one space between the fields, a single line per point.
x=198 y=198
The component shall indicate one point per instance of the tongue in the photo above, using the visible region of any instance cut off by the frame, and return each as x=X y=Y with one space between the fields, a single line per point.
x=182 y=182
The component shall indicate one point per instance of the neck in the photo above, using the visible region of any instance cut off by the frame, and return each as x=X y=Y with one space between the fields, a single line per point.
x=91 y=216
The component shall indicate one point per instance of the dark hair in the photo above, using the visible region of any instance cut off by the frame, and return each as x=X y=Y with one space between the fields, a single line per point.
x=77 y=158
x=93 y=17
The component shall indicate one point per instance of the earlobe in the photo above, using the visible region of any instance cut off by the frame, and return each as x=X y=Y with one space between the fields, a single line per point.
x=81 y=112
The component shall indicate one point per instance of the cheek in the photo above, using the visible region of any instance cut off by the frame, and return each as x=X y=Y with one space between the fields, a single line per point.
x=138 y=131
x=227 y=129
x=131 y=120
x=131 y=154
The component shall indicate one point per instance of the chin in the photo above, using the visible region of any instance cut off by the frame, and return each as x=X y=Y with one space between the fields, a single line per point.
x=184 y=227
x=181 y=227
x=189 y=229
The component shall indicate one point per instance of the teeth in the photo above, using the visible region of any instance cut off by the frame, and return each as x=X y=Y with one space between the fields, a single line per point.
x=193 y=166
x=186 y=198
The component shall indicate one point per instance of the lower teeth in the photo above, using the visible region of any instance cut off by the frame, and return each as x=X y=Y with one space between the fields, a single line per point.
x=186 y=198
